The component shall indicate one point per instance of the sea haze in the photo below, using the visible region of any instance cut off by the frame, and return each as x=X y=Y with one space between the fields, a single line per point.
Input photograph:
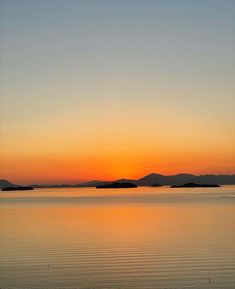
x=142 y=238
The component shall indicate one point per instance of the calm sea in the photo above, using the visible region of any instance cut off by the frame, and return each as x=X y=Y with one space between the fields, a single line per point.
x=146 y=238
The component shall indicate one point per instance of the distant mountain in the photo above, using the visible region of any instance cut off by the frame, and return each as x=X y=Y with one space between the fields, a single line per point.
x=149 y=180
x=156 y=185
x=126 y=181
x=6 y=183
x=46 y=186
x=215 y=179
x=180 y=179
x=96 y=183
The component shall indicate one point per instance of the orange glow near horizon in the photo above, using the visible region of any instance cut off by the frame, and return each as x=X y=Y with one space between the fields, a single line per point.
x=55 y=157
x=73 y=169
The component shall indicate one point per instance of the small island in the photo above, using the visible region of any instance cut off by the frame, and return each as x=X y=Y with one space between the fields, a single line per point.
x=17 y=189
x=193 y=185
x=117 y=185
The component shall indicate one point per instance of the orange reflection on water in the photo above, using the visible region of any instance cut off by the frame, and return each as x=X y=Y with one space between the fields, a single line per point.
x=116 y=225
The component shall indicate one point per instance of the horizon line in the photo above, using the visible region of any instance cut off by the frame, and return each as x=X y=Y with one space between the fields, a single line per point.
x=57 y=182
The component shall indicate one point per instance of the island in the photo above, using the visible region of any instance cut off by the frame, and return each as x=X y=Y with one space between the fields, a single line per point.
x=17 y=189
x=117 y=185
x=193 y=185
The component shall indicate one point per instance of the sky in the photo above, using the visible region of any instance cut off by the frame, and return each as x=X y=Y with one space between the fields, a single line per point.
x=105 y=89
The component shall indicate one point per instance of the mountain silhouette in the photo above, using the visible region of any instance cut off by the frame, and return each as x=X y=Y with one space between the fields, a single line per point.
x=180 y=179
x=96 y=183
x=148 y=180
x=6 y=183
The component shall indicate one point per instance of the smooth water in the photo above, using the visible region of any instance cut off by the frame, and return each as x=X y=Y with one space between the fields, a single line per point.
x=144 y=238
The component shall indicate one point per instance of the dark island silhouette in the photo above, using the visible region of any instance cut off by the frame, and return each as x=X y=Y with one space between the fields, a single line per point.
x=17 y=189
x=6 y=183
x=117 y=185
x=148 y=180
x=163 y=180
x=193 y=185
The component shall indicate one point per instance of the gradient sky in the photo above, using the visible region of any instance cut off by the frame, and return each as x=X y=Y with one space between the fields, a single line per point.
x=109 y=89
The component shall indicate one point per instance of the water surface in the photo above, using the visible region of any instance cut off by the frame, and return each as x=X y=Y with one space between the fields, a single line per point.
x=146 y=238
